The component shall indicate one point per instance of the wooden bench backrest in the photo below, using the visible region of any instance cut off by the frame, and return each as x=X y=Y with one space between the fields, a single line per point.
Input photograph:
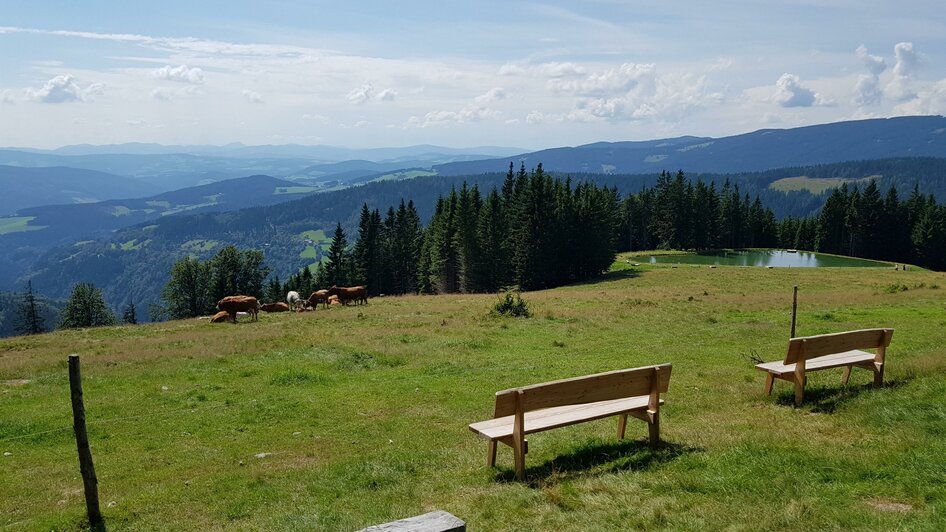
x=809 y=347
x=588 y=389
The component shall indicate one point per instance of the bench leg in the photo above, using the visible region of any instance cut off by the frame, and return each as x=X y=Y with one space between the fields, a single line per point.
x=769 y=380
x=622 y=425
x=491 y=454
x=519 y=451
x=799 y=391
x=878 y=375
x=654 y=427
x=846 y=376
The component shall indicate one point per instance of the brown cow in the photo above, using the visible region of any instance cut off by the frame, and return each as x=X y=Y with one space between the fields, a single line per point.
x=319 y=296
x=234 y=304
x=220 y=317
x=359 y=294
x=274 y=307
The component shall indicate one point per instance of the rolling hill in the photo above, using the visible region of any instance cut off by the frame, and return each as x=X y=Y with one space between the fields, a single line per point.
x=31 y=187
x=914 y=136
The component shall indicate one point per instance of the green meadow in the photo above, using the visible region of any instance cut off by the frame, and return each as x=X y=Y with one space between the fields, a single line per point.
x=17 y=224
x=342 y=418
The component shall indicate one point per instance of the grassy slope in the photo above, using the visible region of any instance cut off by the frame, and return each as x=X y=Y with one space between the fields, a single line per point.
x=364 y=411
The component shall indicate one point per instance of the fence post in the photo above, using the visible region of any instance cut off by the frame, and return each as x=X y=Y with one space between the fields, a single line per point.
x=89 y=480
x=794 y=309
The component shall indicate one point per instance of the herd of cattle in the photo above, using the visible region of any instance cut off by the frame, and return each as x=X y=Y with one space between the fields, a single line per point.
x=229 y=306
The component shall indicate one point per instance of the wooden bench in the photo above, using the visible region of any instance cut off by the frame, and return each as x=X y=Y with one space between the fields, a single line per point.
x=539 y=407
x=826 y=351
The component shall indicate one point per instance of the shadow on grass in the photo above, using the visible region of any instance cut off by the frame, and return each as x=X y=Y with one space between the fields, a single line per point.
x=616 y=275
x=827 y=399
x=599 y=458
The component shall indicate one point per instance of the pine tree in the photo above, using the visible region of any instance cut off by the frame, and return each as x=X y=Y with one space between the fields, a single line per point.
x=336 y=268
x=29 y=320
x=86 y=308
x=130 y=315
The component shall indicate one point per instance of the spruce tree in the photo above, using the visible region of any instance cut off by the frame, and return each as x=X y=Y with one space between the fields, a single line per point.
x=29 y=320
x=130 y=315
x=336 y=268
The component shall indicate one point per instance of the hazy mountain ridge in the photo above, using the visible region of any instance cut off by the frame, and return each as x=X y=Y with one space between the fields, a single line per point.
x=913 y=136
x=32 y=187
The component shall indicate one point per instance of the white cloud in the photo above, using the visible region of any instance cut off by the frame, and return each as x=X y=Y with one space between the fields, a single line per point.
x=901 y=87
x=789 y=92
x=387 y=95
x=622 y=79
x=907 y=59
x=360 y=95
x=493 y=95
x=561 y=70
x=874 y=63
x=252 y=96
x=62 y=89
x=361 y=123
x=181 y=74
x=467 y=114
x=171 y=93
x=511 y=69
x=867 y=90
x=930 y=101
x=6 y=96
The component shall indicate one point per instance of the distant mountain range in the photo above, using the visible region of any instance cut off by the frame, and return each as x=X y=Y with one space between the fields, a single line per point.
x=913 y=136
x=31 y=187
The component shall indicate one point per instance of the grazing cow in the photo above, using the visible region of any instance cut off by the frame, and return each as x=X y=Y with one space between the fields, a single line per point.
x=220 y=317
x=234 y=304
x=274 y=307
x=333 y=300
x=293 y=299
x=319 y=296
x=359 y=294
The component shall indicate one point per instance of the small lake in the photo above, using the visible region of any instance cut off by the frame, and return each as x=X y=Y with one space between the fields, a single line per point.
x=765 y=257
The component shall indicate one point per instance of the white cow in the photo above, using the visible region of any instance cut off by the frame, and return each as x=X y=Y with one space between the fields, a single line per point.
x=293 y=299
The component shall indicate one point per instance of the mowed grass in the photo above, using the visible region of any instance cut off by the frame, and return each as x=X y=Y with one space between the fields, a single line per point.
x=342 y=418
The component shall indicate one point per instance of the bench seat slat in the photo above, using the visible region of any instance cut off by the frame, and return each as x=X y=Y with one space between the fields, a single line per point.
x=559 y=416
x=837 y=360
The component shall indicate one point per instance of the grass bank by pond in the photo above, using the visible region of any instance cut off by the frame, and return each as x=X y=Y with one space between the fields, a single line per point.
x=347 y=417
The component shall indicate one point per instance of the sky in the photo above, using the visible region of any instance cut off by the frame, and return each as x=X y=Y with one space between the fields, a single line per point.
x=461 y=74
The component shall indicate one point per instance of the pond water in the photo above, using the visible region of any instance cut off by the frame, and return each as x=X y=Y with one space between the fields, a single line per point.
x=765 y=257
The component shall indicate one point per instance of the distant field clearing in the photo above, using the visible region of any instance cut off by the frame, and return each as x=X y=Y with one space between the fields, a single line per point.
x=815 y=185
x=18 y=224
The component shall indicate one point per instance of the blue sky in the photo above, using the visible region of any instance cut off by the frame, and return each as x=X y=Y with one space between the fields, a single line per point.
x=527 y=74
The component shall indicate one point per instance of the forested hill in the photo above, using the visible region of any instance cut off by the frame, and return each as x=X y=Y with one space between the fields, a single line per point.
x=30 y=187
x=914 y=136
x=134 y=263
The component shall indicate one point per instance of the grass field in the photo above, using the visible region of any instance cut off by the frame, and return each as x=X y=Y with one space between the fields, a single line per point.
x=342 y=418
x=814 y=185
x=18 y=224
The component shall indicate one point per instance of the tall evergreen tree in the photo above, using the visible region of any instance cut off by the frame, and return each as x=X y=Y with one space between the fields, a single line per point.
x=130 y=314
x=336 y=268
x=28 y=319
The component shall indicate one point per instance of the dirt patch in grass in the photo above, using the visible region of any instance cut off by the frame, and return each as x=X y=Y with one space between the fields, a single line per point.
x=15 y=382
x=885 y=505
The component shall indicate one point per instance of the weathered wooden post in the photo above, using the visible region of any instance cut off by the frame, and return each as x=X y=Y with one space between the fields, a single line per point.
x=794 y=309
x=89 y=480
